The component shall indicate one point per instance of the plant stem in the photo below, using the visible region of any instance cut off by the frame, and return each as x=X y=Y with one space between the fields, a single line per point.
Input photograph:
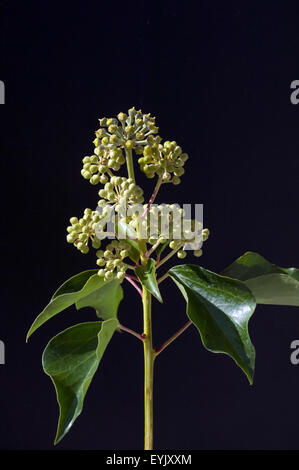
x=153 y=197
x=162 y=278
x=130 y=280
x=130 y=166
x=173 y=252
x=132 y=332
x=172 y=338
x=149 y=357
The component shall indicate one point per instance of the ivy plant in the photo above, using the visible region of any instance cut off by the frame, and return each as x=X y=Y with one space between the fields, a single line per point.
x=145 y=237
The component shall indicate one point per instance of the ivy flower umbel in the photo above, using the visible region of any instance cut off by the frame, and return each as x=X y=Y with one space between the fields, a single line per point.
x=164 y=160
x=166 y=224
x=111 y=261
x=82 y=230
x=121 y=191
x=114 y=137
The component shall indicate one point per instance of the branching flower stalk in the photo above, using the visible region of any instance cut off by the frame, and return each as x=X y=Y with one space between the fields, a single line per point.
x=147 y=236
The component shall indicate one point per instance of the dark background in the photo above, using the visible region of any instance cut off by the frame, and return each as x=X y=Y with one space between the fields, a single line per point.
x=217 y=77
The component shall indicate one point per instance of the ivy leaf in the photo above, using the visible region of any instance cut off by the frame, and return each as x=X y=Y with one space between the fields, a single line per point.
x=269 y=284
x=160 y=248
x=71 y=359
x=74 y=289
x=220 y=308
x=105 y=300
x=147 y=276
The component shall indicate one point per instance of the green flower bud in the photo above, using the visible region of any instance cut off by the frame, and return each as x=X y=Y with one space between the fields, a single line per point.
x=129 y=144
x=129 y=129
x=120 y=276
x=96 y=243
x=73 y=220
x=86 y=160
x=112 y=128
x=197 y=253
x=83 y=237
x=101 y=272
x=105 y=141
x=205 y=234
x=181 y=254
x=93 y=168
x=122 y=117
x=71 y=238
x=108 y=275
x=95 y=179
x=176 y=180
x=101 y=262
x=103 y=179
x=102 y=168
x=113 y=139
x=103 y=193
x=86 y=174
x=124 y=253
x=103 y=122
x=166 y=176
x=179 y=171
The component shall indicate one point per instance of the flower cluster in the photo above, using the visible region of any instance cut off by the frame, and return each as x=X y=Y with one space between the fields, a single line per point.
x=167 y=223
x=111 y=260
x=163 y=160
x=114 y=137
x=82 y=230
x=158 y=225
x=121 y=191
x=97 y=167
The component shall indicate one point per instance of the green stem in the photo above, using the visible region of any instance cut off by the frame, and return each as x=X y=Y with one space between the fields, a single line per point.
x=173 y=252
x=130 y=165
x=149 y=357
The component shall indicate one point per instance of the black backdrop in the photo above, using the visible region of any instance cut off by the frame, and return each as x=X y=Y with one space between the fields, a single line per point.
x=217 y=77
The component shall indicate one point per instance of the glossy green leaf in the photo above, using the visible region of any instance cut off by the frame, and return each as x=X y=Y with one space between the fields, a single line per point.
x=269 y=284
x=71 y=359
x=160 y=248
x=220 y=308
x=105 y=300
x=75 y=283
x=69 y=293
x=147 y=276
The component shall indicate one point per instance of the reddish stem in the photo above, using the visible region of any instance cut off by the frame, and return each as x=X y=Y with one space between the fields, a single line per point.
x=133 y=284
x=152 y=198
x=132 y=332
x=172 y=338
